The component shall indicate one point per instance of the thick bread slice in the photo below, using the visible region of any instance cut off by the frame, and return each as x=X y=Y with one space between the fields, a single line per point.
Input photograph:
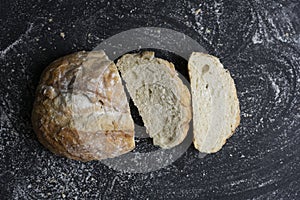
x=216 y=111
x=81 y=110
x=162 y=99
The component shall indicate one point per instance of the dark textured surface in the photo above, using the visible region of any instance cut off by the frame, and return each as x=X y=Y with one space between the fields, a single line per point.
x=259 y=42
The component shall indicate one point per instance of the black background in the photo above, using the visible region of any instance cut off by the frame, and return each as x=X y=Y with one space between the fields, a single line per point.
x=258 y=41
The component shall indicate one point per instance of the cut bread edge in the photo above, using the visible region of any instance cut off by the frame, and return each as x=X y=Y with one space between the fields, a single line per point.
x=199 y=145
x=183 y=92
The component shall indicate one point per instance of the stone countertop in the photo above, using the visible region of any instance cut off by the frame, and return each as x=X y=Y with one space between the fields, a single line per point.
x=258 y=41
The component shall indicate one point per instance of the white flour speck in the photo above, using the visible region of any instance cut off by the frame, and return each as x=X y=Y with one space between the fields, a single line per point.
x=275 y=87
x=62 y=34
x=15 y=43
x=256 y=38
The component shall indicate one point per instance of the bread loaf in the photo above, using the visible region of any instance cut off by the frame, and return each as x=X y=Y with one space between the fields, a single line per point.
x=81 y=110
x=162 y=99
x=216 y=112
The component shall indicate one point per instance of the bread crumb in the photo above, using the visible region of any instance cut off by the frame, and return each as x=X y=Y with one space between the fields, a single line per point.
x=207 y=30
x=62 y=34
x=198 y=11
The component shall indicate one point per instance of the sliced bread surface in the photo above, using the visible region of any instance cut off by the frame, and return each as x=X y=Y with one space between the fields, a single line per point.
x=216 y=112
x=162 y=99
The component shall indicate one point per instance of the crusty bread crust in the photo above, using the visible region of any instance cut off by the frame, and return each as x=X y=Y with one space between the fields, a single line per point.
x=201 y=138
x=81 y=111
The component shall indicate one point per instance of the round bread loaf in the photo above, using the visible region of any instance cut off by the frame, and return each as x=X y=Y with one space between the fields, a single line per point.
x=81 y=110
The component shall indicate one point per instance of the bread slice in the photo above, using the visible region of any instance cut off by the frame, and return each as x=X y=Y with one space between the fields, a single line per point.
x=216 y=112
x=81 y=110
x=162 y=99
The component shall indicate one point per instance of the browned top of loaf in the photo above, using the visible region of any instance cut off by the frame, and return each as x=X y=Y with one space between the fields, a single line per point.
x=80 y=110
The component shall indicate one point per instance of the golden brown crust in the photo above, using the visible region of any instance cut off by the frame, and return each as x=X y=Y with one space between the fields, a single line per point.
x=73 y=88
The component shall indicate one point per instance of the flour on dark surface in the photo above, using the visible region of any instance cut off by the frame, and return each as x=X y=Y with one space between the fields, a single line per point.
x=258 y=41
